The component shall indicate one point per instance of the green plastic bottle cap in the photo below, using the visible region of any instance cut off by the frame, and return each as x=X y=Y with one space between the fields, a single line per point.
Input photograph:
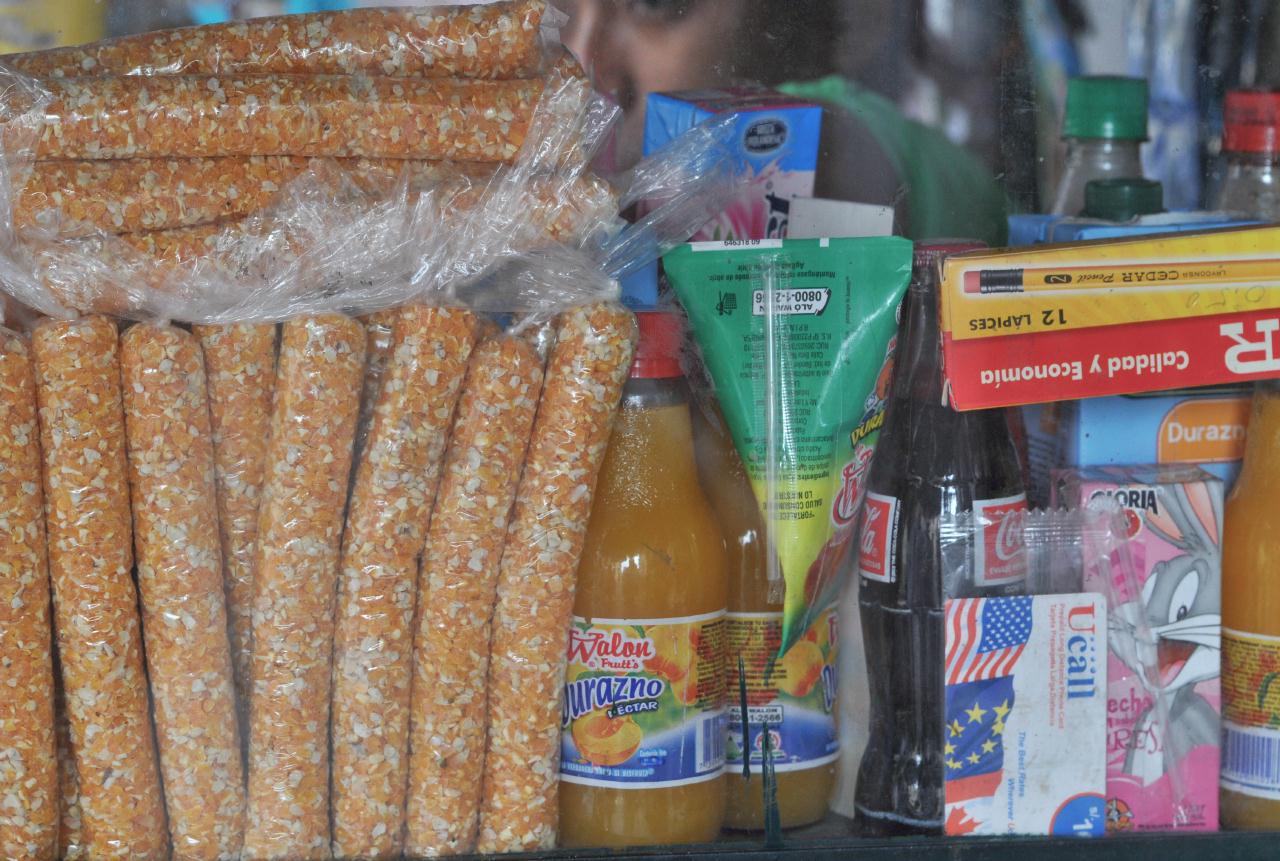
x=1122 y=199
x=1106 y=107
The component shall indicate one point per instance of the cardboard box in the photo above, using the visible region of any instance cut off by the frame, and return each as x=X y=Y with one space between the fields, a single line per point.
x=1164 y=701
x=1202 y=427
x=775 y=146
x=1024 y=745
x=1126 y=316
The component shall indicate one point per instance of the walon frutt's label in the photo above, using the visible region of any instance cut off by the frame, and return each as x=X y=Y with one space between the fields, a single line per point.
x=792 y=697
x=1251 y=714
x=644 y=702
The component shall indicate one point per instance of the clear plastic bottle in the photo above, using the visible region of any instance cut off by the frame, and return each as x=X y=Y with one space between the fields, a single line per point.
x=643 y=742
x=1251 y=141
x=1105 y=125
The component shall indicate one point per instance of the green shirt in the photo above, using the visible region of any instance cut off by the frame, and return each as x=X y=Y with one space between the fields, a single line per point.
x=949 y=193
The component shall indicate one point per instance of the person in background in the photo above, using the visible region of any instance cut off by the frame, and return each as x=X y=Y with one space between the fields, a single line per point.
x=870 y=152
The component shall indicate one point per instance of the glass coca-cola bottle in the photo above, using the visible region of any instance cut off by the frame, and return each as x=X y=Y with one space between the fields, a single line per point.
x=942 y=518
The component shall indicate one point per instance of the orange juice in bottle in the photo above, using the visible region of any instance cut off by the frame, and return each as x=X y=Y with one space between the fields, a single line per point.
x=754 y=632
x=1250 y=778
x=643 y=744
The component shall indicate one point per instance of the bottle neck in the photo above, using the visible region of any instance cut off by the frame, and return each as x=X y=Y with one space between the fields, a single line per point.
x=917 y=365
x=651 y=450
x=1264 y=161
x=1094 y=158
x=1262 y=444
x=1122 y=151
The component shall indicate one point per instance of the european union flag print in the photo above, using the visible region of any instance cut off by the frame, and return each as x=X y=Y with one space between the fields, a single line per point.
x=985 y=640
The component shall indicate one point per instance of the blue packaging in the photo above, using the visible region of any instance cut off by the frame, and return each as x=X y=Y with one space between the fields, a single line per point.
x=640 y=288
x=1040 y=229
x=776 y=142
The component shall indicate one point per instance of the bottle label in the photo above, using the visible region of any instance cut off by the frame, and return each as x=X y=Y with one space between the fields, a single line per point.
x=644 y=702
x=878 y=538
x=999 y=547
x=793 y=695
x=1251 y=714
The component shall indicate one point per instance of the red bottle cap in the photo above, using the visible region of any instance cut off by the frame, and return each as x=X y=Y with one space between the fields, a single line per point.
x=928 y=251
x=1252 y=121
x=658 y=351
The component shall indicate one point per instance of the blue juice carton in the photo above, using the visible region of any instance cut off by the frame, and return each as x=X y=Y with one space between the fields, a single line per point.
x=775 y=141
x=1025 y=699
x=1205 y=427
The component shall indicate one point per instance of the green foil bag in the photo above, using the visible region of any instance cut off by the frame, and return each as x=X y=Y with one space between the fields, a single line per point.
x=797 y=336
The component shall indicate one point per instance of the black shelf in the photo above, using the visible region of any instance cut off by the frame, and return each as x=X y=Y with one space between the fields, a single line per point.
x=832 y=839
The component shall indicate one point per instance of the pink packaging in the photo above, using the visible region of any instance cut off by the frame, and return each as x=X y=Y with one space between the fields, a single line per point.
x=1163 y=700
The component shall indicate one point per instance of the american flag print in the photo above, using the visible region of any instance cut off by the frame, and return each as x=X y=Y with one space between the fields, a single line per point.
x=985 y=640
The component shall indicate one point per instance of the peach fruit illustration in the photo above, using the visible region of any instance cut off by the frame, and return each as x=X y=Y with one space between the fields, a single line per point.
x=603 y=740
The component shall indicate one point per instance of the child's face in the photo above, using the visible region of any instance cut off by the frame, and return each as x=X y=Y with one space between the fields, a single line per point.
x=631 y=48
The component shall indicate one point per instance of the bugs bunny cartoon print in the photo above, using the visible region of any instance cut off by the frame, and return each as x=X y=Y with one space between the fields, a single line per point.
x=1171 y=635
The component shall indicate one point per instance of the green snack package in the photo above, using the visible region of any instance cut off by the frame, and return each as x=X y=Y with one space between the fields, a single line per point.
x=797 y=336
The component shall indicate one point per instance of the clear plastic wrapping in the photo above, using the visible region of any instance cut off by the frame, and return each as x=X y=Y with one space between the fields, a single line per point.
x=28 y=752
x=357 y=236
x=299 y=540
x=459 y=576
x=299 y=115
x=583 y=383
x=323 y=518
x=240 y=371
x=498 y=40
x=391 y=503
x=175 y=517
x=95 y=605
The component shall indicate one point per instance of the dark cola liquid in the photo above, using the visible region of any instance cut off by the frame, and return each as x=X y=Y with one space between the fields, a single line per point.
x=920 y=543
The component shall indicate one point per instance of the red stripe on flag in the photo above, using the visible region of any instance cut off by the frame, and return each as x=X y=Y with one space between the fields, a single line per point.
x=968 y=637
x=1006 y=667
x=974 y=786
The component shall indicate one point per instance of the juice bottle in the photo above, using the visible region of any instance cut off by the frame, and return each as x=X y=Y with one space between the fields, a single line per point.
x=643 y=745
x=754 y=631
x=1250 y=778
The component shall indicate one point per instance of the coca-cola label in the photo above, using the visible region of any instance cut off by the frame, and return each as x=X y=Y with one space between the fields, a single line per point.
x=878 y=537
x=1000 y=550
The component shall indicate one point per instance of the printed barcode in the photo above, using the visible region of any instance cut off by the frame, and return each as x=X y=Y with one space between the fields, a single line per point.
x=1251 y=761
x=710 y=744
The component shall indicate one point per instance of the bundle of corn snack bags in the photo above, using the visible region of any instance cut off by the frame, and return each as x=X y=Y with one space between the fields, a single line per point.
x=312 y=356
